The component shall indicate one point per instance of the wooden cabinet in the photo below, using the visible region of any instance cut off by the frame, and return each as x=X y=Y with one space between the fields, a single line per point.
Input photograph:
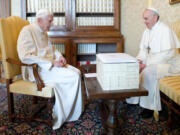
x=96 y=45
x=93 y=25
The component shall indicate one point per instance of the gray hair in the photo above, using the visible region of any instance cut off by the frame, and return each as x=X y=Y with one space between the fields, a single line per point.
x=43 y=13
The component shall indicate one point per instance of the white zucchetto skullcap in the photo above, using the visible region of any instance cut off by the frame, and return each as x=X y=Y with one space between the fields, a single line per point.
x=43 y=13
x=154 y=10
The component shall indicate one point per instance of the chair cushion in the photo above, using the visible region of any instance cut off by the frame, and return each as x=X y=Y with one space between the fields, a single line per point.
x=30 y=88
x=170 y=86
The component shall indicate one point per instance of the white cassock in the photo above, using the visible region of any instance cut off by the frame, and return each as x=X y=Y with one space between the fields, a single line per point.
x=162 y=42
x=34 y=47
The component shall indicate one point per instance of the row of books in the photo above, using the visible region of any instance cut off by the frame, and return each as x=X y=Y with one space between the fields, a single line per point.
x=87 y=48
x=80 y=63
x=97 y=6
x=60 y=47
x=95 y=21
x=82 y=21
x=59 y=21
x=56 y=21
x=52 y=5
x=82 y=48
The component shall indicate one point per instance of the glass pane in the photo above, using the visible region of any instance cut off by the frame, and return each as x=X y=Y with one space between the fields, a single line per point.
x=94 y=6
x=106 y=48
x=95 y=21
x=89 y=48
x=86 y=53
x=60 y=47
x=59 y=21
x=52 y=5
x=95 y=12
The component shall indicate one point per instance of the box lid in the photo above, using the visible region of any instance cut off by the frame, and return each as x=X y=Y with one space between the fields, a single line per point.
x=116 y=58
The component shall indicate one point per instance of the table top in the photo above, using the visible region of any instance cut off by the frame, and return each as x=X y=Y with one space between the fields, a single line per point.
x=94 y=91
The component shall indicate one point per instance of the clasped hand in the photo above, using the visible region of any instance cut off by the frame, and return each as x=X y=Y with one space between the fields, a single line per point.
x=60 y=63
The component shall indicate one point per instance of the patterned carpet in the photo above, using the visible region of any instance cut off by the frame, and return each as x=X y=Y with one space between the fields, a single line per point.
x=89 y=122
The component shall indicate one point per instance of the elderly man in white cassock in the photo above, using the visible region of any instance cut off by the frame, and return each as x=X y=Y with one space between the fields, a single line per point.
x=157 y=47
x=34 y=47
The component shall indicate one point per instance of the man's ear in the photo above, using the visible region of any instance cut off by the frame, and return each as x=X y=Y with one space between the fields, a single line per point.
x=38 y=20
x=156 y=17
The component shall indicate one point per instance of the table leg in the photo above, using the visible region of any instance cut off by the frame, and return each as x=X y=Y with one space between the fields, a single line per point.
x=112 y=119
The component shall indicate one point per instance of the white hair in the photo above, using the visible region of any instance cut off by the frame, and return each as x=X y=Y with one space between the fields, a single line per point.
x=43 y=13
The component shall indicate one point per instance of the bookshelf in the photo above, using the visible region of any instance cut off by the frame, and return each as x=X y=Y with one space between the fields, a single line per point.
x=102 y=45
x=82 y=28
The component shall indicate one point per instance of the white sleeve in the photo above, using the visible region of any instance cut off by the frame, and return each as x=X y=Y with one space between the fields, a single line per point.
x=161 y=57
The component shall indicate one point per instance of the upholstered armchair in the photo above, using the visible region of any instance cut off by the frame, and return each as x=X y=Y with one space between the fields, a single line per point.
x=9 y=30
x=170 y=86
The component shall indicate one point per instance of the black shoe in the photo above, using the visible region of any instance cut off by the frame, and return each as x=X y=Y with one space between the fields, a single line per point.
x=145 y=114
x=131 y=105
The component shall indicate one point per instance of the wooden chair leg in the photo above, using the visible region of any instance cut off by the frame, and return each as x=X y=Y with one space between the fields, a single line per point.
x=49 y=108
x=10 y=107
x=169 y=114
x=10 y=101
x=156 y=115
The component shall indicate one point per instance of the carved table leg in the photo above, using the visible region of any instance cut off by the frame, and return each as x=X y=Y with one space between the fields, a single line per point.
x=112 y=120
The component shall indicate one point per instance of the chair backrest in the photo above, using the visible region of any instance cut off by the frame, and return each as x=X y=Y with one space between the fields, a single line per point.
x=176 y=28
x=10 y=28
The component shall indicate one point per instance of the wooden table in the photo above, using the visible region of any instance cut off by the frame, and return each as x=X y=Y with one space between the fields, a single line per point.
x=94 y=91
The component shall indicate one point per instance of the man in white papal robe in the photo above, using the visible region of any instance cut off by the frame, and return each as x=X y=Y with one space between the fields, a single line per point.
x=34 y=47
x=157 y=47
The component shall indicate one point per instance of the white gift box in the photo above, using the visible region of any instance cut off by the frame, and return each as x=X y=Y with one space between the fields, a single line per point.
x=117 y=71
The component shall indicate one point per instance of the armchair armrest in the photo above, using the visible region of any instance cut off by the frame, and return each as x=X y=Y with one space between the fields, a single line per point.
x=38 y=80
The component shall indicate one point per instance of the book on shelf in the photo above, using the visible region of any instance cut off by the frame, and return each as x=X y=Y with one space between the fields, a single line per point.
x=80 y=63
x=60 y=47
x=95 y=21
x=87 y=48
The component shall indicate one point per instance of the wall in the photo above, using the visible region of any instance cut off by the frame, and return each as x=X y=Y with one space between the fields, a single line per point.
x=132 y=25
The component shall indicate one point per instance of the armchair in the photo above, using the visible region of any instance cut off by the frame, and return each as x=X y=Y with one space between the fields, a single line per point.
x=9 y=31
x=170 y=86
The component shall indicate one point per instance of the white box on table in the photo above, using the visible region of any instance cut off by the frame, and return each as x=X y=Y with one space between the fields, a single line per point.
x=117 y=71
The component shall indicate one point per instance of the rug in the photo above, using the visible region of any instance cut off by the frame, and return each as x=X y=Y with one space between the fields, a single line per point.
x=88 y=124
